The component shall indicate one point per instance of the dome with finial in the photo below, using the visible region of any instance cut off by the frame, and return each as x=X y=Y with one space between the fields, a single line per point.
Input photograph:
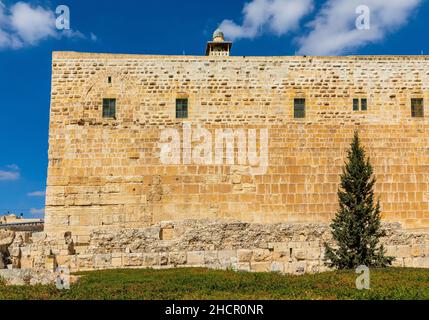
x=218 y=35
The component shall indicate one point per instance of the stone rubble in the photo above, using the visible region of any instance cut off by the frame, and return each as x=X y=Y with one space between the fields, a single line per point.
x=281 y=247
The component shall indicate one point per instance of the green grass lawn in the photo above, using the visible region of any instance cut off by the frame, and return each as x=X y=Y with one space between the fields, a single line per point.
x=184 y=284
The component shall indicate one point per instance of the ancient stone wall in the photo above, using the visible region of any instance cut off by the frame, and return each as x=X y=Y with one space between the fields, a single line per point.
x=107 y=173
x=286 y=248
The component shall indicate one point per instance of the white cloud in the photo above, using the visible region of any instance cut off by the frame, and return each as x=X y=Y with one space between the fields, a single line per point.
x=37 y=211
x=24 y=24
x=32 y=24
x=333 y=31
x=13 y=167
x=9 y=175
x=276 y=16
x=36 y=194
x=94 y=37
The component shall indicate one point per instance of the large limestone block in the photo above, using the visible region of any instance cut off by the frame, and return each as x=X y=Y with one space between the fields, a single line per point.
x=211 y=258
x=278 y=266
x=151 y=259
x=85 y=261
x=133 y=260
x=297 y=267
x=260 y=266
x=421 y=262
x=102 y=261
x=241 y=267
x=117 y=260
x=6 y=238
x=261 y=255
x=244 y=255
x=226 y=257
x=177 y=258
x=403 y=251
x=195 y=258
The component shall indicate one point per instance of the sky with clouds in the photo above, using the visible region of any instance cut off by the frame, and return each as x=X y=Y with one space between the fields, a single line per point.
x=29 y=34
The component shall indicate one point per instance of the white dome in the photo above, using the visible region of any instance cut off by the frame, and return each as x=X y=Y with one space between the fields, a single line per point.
x=218 y=34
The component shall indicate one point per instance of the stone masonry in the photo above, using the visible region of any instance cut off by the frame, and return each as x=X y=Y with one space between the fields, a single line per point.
x=107 y=173
x=285 y=248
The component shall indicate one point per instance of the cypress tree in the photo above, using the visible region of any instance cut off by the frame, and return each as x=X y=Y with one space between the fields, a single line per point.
x=356 y=228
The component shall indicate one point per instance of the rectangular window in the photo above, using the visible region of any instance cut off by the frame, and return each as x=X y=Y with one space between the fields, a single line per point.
x=417 y=110
x=181 y=108
x=355 y=104
x=299 y=108
x=364 y=104
x=109 y=108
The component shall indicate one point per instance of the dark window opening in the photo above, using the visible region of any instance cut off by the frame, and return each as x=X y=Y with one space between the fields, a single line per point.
x=355 y=104
x=109 y=79
x=181 y=108
x=363 y=106
x=299 y=108
x=417 y=110
x=109 y=108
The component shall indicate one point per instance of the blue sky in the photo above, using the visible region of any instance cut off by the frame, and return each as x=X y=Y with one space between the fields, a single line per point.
x=260 y=27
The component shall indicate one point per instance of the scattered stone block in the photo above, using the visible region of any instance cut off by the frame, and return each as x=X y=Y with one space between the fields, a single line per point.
x=244 y=255
x=133 y=260
x=261 y=255
x=151 y=259
x=195 y=258
x=103 y=261
x=177 y=258
x=117 y=260
x=403 y=251
x=241 y=267
x=260 y=266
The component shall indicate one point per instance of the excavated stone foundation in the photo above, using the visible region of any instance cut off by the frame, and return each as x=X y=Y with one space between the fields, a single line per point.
x=281 y=247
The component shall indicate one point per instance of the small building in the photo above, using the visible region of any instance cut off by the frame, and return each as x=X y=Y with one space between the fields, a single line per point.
x=14 y=219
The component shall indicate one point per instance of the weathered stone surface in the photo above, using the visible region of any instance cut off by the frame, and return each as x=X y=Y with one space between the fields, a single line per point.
x=211 y=258
x=260 y=266
x=278 y=267
x=244 y=255
x=227 y=257
x=2 y=262
x=198 y=235
x=195 y=258
x=107 y=173
x=6 y=239
x=133 y=260
x=177 y=258
x=242 y=267
x=102 y=261
x=163 y=258
x=261 y=255
x=288 y=248
x=20 y=277
x=151 y=259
